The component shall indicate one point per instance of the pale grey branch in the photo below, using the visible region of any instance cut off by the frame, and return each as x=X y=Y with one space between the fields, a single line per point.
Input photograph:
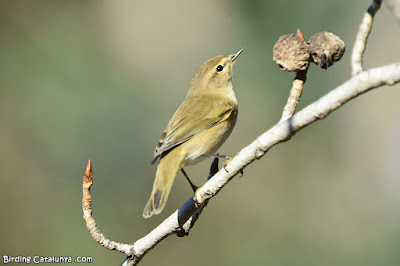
x=284 y=130
x=362 y=37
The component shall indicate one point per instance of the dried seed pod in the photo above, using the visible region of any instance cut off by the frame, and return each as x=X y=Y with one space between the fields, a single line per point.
x=291 y=53
x=326 y=48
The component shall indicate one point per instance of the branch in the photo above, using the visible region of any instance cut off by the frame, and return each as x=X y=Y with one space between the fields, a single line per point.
x=295 y=94
x=300 y=78
x=186 y=216
x=362 y=37
x=182 y=220
x=281 y=132
x=87 y=215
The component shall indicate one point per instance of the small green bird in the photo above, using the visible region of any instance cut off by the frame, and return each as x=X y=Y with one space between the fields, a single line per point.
x=199 y=127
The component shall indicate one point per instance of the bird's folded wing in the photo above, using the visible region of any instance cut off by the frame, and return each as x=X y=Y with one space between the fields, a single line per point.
x=190 y=120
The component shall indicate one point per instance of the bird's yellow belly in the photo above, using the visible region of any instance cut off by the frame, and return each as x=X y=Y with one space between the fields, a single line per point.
x=207 y=142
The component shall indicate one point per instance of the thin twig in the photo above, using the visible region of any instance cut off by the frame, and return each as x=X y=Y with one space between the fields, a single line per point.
x=362 y=37
x=297 y=87
x=183 y=220
x=90 y=222
x=295 y=94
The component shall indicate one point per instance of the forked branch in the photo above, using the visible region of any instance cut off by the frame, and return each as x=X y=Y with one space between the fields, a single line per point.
x=182 y=220
x=284 y=130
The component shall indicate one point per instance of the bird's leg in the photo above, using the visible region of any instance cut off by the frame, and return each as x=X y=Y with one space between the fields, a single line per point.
x=193 y=186
x=227 y=157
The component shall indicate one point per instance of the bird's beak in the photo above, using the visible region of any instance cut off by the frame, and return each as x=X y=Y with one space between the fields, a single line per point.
x=234 y=56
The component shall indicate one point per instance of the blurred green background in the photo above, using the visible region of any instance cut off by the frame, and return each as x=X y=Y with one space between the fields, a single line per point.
x=100 y=80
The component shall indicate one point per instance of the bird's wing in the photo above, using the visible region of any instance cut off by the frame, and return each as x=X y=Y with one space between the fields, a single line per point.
x=190 y=120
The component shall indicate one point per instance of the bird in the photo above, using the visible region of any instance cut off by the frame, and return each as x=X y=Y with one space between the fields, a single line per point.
x=198 y=128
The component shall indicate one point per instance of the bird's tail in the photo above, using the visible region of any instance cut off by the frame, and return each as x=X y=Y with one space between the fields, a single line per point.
x=167 y=169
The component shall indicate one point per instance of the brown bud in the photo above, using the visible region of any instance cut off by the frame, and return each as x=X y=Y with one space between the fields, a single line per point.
x=326 y=48
x=291 y=53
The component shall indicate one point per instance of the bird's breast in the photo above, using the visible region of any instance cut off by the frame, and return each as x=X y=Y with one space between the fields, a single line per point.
x=208 y=141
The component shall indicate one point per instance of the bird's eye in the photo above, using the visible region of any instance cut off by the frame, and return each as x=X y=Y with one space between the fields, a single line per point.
x=220 y=68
